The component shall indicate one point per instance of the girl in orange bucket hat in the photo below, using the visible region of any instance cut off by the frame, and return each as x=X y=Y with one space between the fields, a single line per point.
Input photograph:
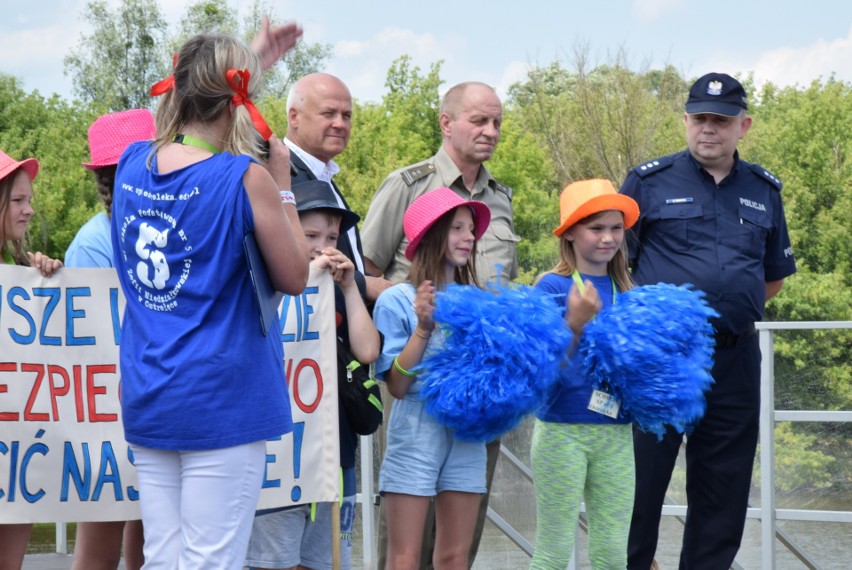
x=580 y=448
x=16 y=194
x=423 y=457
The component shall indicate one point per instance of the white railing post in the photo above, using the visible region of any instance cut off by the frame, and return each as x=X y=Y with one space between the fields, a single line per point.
x=367 y=492
x=767 y=449
x=62 y=538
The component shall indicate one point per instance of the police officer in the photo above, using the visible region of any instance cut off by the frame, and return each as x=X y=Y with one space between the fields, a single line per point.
x=470 y=119
x=713 y=220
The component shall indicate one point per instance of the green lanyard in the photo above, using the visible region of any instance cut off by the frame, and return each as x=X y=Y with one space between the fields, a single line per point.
x=575 y=275
x=181 y=138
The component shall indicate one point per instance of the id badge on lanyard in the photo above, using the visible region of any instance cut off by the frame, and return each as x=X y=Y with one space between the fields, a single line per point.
x=604 y=403
x=601 y=401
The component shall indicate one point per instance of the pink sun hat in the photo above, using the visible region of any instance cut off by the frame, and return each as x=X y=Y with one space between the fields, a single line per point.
x=9 y=165
x=110 y=134
x=429 y=207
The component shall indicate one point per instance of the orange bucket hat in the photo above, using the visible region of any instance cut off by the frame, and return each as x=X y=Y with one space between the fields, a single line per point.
x=9 y=165
x=586 y=197
x=110 y=134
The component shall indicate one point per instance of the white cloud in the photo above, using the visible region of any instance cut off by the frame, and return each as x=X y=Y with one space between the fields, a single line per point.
x=36 y=56
x=350 y=48
x=788 y=66
x=363 y=64
x=653 y=10
x=397 y=41
x=514 y=72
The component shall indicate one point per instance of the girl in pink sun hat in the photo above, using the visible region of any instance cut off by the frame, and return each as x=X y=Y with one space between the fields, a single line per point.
x=423 y=458
x=16 y=194
x=109 y=136
x=98 y=543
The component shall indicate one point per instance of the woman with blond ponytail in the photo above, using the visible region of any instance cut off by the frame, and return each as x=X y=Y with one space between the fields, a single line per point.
x=202 y=383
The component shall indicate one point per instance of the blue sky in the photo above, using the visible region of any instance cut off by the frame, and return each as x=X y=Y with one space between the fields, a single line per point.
x=786 y=42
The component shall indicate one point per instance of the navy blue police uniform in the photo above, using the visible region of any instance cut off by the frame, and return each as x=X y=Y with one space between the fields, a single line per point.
x=728 y=240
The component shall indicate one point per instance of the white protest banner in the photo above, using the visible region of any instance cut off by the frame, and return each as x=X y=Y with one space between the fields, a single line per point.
x=63 y=456
x=62 y=449
x=305 y=466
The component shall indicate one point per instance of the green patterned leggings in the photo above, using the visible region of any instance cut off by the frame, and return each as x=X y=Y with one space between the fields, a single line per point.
x=570 y=461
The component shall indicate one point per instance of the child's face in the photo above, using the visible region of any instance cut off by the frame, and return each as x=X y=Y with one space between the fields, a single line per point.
x=461 y=238
x=321 y=231
x=19 y=210
x=596 y=242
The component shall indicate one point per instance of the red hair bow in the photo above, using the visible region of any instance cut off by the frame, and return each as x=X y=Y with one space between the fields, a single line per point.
x=239 y=81
x=165 y=85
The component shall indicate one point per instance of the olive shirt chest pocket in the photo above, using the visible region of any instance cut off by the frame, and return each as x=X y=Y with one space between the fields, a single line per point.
x=679 y=223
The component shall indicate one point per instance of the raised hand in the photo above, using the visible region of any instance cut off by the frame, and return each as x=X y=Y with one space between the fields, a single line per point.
x=272 y=43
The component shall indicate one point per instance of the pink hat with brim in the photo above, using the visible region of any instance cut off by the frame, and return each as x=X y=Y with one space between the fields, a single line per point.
x=429 y=207
x=582 y=199
x=110 y=134
x=8 y=165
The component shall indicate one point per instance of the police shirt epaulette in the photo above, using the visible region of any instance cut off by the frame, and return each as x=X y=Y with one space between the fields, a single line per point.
x=504 y=189
x=765 y=174
x=416 y=172
x=653 y=166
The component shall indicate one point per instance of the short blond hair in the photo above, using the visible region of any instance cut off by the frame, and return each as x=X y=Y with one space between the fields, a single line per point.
x=452 y=102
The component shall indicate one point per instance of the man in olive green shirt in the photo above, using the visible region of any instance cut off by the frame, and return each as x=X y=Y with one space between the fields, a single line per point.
x=471 y=117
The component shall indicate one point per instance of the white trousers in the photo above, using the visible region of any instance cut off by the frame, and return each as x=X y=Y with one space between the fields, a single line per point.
x=198 y=506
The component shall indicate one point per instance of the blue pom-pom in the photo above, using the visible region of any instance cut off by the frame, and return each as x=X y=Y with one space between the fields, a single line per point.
x=501 y=354
x=653 y=350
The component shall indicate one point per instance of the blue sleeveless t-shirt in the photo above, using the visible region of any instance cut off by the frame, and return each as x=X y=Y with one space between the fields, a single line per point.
x=196 y=370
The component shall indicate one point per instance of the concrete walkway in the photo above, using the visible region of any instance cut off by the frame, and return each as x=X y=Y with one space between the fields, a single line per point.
x=51 y=562
x=47 y=562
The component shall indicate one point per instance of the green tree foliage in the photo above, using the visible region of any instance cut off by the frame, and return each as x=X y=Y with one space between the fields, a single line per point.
x=402 y=130
x=800 y=462
x=600 y=122
x=55 y=133
x=522 y=164
x=802 y=135
x=586 y=123
x=206 y=17
x=130 y=49
x=115 y=66
x=813 y=367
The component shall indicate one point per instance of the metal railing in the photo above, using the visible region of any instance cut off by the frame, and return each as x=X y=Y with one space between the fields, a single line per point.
x=768 y=513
